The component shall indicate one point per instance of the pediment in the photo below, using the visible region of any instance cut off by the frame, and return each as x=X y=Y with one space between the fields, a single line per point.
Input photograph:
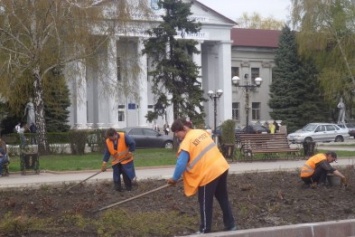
x=207 y=15
x=201 y=13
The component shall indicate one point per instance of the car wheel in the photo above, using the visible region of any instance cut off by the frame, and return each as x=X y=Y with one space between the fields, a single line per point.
x=339 y=139
x=168 y=145
x=308 y=139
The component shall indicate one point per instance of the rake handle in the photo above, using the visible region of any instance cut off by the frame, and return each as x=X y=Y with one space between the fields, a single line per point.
x=135 y=197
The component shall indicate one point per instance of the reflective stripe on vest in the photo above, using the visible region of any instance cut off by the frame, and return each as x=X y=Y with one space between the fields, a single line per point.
x=309 y=167
x=199 y=157
x=306 y=169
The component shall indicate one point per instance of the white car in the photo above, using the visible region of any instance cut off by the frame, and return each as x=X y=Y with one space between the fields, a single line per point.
x=319 y=132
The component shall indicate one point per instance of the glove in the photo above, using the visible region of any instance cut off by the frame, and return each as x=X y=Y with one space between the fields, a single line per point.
x=344 y=181
x=171 y=182
x=103 y=167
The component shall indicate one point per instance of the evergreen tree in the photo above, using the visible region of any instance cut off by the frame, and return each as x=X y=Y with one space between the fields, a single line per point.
x=295 y=95
x=174 y=71
x=57 y=101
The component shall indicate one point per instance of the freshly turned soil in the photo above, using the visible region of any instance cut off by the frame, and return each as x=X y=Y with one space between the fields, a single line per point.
x=258 y=200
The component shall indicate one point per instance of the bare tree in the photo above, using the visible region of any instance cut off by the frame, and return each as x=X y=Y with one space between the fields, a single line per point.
x=256 y=21
x=38 y=37
x=326 y=33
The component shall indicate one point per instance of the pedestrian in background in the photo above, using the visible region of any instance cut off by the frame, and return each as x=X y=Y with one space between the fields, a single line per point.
x=17 y=127
x=120 y=147
x=204 y=171
x=23 y=139
x=166 y=129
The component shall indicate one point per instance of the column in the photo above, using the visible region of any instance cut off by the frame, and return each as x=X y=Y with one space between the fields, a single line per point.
x=143 y=84
x=197 y=58
x=78 y=108
x=112 y=80
x=225 y=80
x=107 y=108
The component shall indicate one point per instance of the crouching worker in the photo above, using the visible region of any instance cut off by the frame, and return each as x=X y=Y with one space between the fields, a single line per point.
x=314 y=172
x=204 y=171
x=120 y=146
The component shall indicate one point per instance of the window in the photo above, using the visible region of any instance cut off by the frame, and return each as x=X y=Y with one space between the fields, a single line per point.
x=121 y=116
x=235 y=71
x=150 y=132
x=330 y=127
x=320 y=128
x=255 y=72
x=255 y=113
x=235 y=111
x=136 y=131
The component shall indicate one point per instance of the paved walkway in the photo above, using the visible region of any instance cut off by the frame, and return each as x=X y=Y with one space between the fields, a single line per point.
x=46 y=178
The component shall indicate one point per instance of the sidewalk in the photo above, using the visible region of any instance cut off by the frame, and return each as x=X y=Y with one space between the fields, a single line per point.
x=58 y=178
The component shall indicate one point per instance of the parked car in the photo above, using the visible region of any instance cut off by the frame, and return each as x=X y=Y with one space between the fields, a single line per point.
x=252 y=129
x=319 y=132
x=350 y=127
x=255 y=128
x=148 y=137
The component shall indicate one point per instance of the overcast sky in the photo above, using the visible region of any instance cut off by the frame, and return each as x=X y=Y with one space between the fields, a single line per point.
x=233 y=9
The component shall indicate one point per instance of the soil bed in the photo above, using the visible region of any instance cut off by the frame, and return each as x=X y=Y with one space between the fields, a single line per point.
x=258 y=200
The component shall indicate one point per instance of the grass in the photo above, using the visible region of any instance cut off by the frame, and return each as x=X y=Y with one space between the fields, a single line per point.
x=142 y=158
x=92 y=161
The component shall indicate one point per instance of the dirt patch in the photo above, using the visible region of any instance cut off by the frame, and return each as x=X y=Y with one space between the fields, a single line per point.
x=258 y=200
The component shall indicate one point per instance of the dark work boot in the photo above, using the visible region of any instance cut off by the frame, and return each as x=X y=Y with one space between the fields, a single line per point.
x=118 y=186
x=127 y=182
x=134 y=183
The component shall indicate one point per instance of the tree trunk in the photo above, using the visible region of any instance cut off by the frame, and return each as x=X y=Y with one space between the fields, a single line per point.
x=43 y=146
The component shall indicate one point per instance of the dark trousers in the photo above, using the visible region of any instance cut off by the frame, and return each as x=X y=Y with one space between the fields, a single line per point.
x=119 y=170
x=319 y=176
x=217 y=188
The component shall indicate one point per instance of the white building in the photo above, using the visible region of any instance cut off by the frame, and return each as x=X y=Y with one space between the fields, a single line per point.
x=93 y=105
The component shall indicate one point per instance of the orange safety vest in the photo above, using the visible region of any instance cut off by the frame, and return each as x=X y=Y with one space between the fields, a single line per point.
x=121 y=153
x=308 y=168
x=206 y=161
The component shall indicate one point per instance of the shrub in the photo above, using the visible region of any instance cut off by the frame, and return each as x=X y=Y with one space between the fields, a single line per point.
x=77 y=139
x=228 y=132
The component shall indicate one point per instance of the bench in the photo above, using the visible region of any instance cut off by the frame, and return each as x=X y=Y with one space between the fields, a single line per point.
x=270 y=145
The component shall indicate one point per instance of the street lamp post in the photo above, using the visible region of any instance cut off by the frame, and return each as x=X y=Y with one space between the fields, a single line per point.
x=214 y=95
x=247 y=86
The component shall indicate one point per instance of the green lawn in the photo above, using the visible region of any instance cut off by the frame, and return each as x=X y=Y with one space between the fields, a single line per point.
x=142 y=158
x=93 y=161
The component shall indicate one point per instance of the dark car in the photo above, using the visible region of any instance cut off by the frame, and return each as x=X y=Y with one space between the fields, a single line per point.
x=350 y=127
x=148 y=137
x=255 y=128
x=252 y=129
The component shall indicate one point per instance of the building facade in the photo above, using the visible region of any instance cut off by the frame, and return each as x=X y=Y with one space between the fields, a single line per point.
x=117 y=93
x=253 y=54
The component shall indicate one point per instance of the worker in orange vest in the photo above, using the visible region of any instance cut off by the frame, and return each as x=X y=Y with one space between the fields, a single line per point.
x=204 y=171
x=317 y=167
x=120 y=146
